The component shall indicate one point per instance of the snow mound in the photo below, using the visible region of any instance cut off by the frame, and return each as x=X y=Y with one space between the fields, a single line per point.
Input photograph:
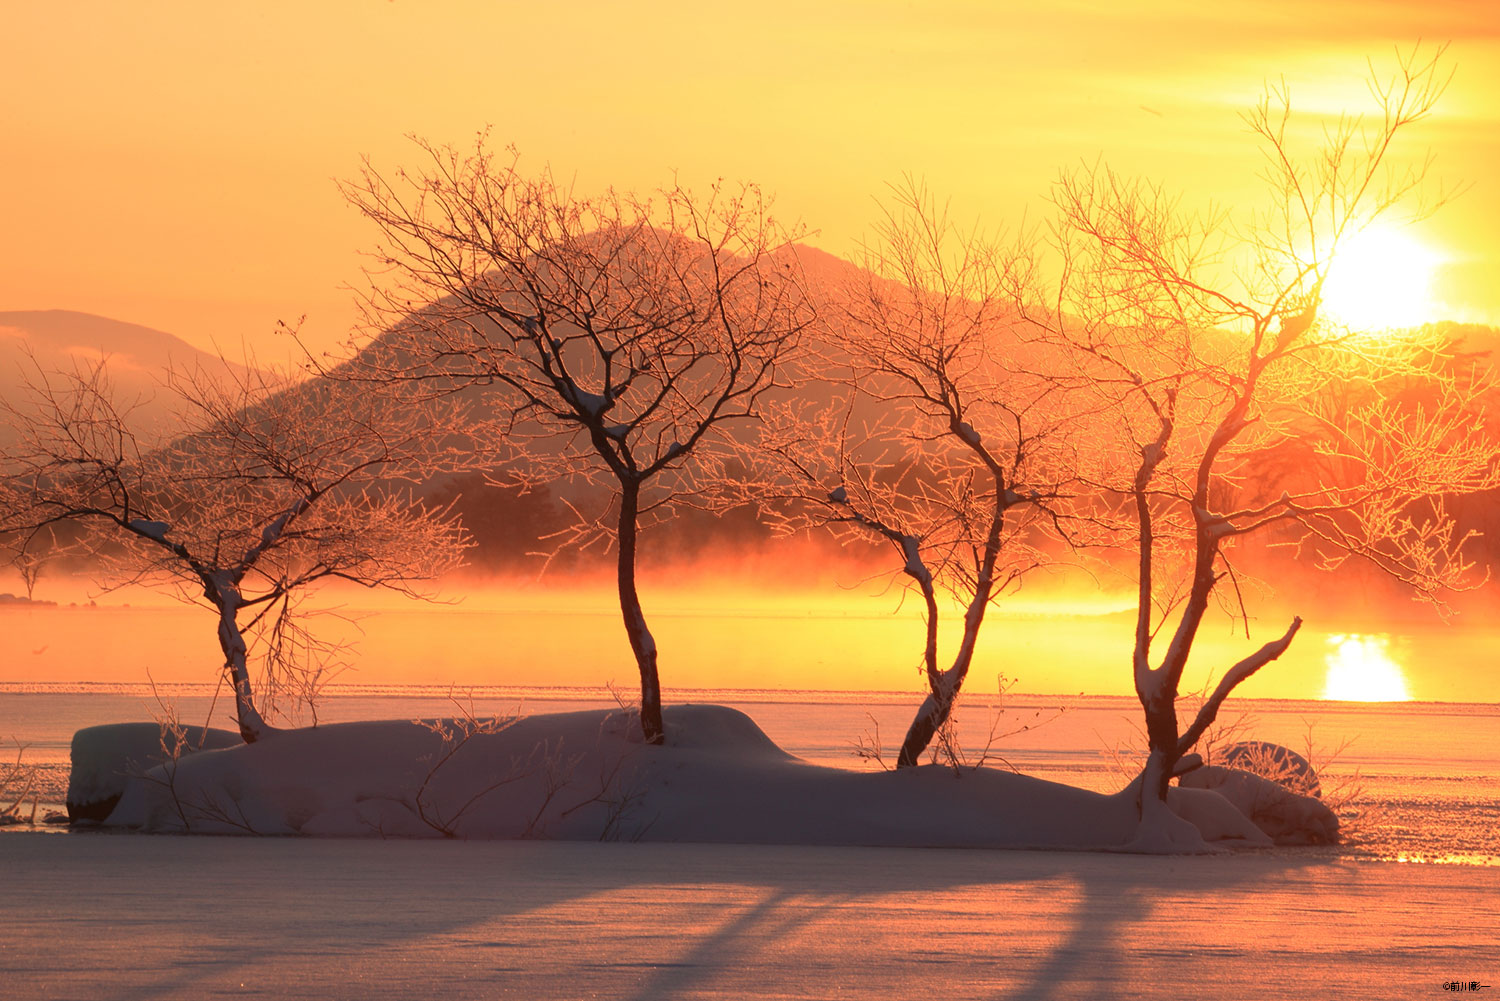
x=1216 y=817
x=588 y=775
x=722 y=730
x=1287 y=817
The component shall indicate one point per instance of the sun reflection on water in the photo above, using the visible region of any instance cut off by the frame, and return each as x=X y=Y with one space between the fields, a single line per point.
x=1360 y=669
x=1444 y=858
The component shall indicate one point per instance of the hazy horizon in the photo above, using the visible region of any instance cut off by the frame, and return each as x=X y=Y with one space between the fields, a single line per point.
x=851 y=632
x=189 y=142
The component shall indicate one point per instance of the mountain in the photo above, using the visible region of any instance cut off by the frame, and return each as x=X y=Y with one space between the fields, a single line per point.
x=505 y=524
x=60 y=340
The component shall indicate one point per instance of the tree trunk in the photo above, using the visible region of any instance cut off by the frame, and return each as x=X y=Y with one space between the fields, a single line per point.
x=642 y=643
x=943 y=689
x=936 y=708
x=1160 y=830
x=933 y=712
x=232 y=642
x=930 y=718
x=1161 y=734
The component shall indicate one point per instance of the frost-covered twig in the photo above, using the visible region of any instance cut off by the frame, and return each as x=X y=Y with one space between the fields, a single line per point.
x=456 y=734
x=18 y=784
x=867 y=746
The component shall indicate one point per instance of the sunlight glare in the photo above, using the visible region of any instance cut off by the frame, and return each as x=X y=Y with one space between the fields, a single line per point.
x=1381 y=278
x=1361 y=670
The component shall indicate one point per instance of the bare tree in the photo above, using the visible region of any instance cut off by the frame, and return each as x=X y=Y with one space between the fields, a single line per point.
x=29 y=558
x=1204 y=338
x=620 y=340
x=941 y=438
x=263 y=489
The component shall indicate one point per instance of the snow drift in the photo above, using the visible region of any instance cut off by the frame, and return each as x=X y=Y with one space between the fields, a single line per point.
x=588 y=775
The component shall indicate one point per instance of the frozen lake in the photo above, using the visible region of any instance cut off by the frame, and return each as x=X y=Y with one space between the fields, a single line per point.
x=104 y=916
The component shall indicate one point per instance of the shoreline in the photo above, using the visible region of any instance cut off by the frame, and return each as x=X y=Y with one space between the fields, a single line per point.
x=740 y=695
x=1420 y=808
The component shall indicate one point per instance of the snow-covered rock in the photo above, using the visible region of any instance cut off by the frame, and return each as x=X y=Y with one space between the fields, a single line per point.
x=1280 y=764
x=105 y=757
x=1215 y=817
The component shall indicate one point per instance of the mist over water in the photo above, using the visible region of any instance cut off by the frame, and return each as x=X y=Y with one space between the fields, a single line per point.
x=828 y=626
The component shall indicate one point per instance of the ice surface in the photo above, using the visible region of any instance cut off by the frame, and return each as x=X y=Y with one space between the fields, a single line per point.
x=170 y=918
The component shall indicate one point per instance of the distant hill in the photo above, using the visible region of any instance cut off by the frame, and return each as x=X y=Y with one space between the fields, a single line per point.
x=506 y=525
x=60 y=340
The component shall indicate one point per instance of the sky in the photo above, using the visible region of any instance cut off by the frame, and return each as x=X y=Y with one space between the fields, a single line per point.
x=174 y=163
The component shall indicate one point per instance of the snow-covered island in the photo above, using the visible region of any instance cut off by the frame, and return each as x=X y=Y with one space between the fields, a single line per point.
x=589 y=775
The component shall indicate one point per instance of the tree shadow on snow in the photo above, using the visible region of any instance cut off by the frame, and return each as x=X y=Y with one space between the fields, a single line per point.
x=564 y=919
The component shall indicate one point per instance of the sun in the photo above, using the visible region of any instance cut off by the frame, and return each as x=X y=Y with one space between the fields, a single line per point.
x=1381 y=278
x=1361 y=670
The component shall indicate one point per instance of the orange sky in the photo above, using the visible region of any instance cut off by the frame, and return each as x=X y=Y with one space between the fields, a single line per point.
x=172 y=163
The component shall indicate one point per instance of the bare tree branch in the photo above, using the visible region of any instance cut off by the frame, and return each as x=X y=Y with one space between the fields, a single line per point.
x=618 y=339
x=264 y=488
